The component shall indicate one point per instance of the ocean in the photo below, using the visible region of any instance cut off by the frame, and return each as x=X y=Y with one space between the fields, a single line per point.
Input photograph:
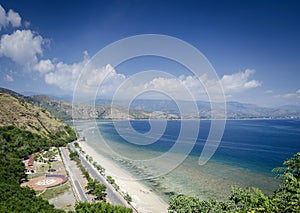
x=248 y=152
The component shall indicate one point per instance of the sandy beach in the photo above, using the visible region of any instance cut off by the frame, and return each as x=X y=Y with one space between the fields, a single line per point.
x=143 y=199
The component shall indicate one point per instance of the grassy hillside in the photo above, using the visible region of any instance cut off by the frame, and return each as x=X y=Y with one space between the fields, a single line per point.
x=16 y=111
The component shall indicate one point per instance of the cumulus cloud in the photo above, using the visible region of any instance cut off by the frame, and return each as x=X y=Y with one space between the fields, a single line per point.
x=64 y=75
x=44 y=66
x=8 y=18
x=198 y=87
x=238 y=82
x=8 y=78
x=23 y=47
x=104 y=79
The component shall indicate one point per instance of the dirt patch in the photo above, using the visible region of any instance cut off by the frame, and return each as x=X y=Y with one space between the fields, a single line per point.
x=64 y=201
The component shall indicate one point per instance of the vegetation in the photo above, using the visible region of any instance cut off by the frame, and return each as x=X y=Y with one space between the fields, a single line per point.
x=26 y=129
x=110 y=180
x=13 y=198
x=285 y=199
x=128 y=198
x=16 y=144
x=84 y=207
x=99 y=168
x=73 y=155
x=96 y=188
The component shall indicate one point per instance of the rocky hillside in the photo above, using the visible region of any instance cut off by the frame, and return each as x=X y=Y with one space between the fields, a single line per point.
x=15 y=110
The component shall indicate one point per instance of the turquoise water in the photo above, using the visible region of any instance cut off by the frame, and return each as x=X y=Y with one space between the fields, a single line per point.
x=249 y=150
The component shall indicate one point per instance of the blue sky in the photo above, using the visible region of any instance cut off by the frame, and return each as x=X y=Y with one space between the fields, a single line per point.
x=254 y=46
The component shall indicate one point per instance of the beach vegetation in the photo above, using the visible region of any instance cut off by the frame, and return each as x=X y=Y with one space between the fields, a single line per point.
x=128 y=198
x=110 y=180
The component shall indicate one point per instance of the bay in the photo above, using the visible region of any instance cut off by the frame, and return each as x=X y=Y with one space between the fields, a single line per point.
x=248 y=152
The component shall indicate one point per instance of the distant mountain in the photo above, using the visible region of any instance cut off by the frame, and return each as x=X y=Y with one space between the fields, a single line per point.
x=290 y=107
x=64 y=110
x=235 y=110
x=17 y=111
x=157 y=109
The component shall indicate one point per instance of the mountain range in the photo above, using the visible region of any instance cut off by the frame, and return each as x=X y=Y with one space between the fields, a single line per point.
x=155 y=109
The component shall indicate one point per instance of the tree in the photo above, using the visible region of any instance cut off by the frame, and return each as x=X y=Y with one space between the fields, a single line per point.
x=99 y=191
x=73 y=155
x=288 y=193
x=96 y=188
x=92 y=185
x=128 y=198
x=83 y=207
x=110 y=180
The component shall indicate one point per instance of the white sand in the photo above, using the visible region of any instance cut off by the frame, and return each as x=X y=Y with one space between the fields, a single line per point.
x=143 y=198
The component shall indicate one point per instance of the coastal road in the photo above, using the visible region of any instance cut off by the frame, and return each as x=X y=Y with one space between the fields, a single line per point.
x=77 y=186
x=114 y=196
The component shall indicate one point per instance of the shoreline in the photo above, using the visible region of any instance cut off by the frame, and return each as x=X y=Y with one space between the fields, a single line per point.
x=143 y=198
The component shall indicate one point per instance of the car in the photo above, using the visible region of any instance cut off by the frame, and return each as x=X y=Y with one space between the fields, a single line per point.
x=51 y=170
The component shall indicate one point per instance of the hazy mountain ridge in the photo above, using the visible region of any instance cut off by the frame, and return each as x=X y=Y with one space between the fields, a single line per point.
x=234 y=110
x=155 y=109
x=64 y=110
x=158 y=109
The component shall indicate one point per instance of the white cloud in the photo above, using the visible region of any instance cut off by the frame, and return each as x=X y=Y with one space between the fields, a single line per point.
x=289 y=95
x=292 y=95
x=238 y=82
x=64 y=75
x=11 y=17
x=234 y=83
x=44 y=66
x=8 y=78
x=14 y=18
x=23 y=47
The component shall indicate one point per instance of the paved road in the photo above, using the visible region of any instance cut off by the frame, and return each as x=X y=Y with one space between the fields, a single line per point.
x=78 y=188
x=112 y=194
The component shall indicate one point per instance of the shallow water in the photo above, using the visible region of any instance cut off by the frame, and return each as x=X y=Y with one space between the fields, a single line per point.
x=248 y=151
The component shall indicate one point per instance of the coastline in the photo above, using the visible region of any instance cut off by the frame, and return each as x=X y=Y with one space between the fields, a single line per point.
x=143 y=198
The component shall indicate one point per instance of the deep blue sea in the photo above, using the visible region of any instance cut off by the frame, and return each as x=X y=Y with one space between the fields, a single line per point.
x=248 y=152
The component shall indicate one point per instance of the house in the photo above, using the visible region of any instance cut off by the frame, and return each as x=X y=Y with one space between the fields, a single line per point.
x=31 y=160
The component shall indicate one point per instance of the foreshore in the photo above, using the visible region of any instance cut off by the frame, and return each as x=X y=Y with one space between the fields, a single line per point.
x=143 y=198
